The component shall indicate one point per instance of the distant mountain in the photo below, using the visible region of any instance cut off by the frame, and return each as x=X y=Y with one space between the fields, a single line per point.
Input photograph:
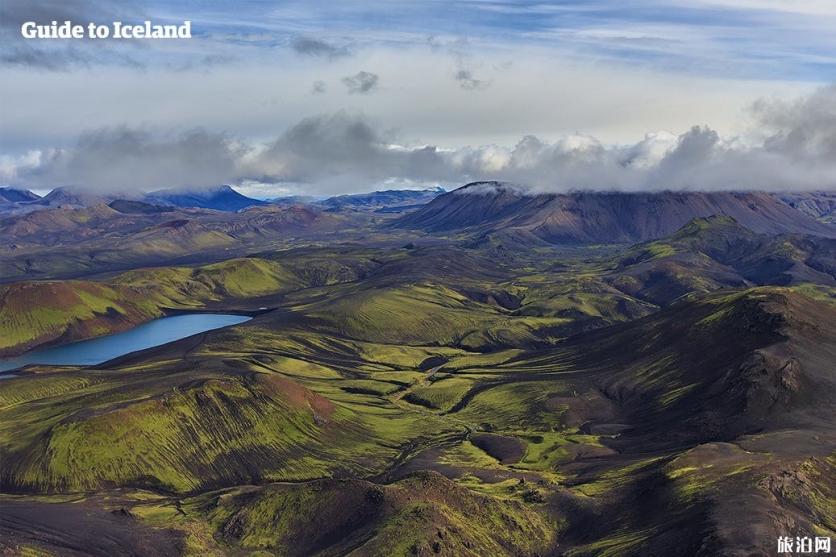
x=222 y=198
x=69 y=197
x=65 y=225
x=387 y=199
x=295 y=200
x=175 y=237
x=819 y=205
x=131 y=207
x=716 y=252
x=486 y=209
x=14 y=195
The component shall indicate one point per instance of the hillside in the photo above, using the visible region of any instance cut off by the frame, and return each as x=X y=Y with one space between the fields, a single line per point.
x=819 y=205
x=395 y=392
x=37 y=313
x=491 y=208
x=72 y=242
x=717 y=252
x=711 y=401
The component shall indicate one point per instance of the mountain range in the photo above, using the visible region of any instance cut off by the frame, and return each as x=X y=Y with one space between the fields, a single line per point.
x=392 y=201
x=498 y=211
x=488 y=373
x=488 y=209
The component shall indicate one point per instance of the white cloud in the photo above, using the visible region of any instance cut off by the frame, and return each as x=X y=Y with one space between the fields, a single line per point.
x=804 y=7
x=535 y=95
x=348 y=152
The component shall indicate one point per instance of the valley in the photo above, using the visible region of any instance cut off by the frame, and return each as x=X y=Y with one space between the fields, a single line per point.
x=486 y=372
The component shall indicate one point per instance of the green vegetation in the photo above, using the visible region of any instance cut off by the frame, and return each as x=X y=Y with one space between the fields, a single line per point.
x=441 y=394
x=424 y=401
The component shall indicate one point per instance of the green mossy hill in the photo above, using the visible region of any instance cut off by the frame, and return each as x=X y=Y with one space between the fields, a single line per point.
x=410 y=297
x=419 y=314
x=207 y=433
x=323 y=267
x=664 y=423
x=33 y=313
x=424 y=514
x=435 y=314
x=236 y=278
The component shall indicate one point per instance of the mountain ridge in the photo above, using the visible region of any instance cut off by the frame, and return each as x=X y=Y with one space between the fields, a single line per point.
x=15 y=195
x=488 y=208
x=222 y=198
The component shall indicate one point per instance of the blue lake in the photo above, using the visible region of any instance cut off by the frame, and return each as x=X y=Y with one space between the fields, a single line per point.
x=102 y=349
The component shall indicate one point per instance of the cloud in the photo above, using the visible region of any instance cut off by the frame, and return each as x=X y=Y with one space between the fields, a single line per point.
x=347 y=152
x=309 y=46
x=129 y=160
x=361 y=82
x=805 y=128
x=468 y=82
x=318 y=87
x=340 y=151
x=805 y=7
x=722 y=38
x=460 y=51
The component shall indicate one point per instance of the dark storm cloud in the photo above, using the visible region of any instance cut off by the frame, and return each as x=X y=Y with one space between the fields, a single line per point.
x=361 y=82
x=347 y=152
x=797 y=151
x=341 y=150
x=805 y=129
x=317 y=47
x=125 y=160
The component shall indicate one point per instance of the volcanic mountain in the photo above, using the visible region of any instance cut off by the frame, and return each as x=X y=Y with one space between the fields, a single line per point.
x=14 y=200
x=69 y=197
x=222 y=198
x=484 y=209
x=383 y=201
x=14 y=195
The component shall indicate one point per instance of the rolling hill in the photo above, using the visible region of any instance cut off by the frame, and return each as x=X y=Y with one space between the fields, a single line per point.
x=264 y=436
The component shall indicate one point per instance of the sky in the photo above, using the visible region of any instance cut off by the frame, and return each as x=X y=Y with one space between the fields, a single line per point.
x=318 y=98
